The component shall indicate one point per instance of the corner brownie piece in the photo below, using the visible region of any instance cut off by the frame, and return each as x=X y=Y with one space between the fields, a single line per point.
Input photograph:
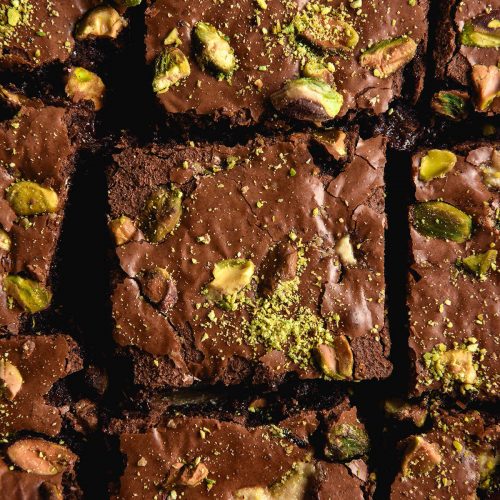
x=456 y=458
x=466 y=53
x=36 y=163
x=311 y=60
x=255 y=261
x=200 y=457
x=30 y=366
x=454 y=284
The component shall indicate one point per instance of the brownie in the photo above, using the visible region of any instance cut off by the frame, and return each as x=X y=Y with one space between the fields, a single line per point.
x=37 y=151
x=36 y=469
x=311 y=61
x=251 y=262
x=456 y=458
x=201 y=457
x=30 y=368
x=466 y=55
x=454 y=286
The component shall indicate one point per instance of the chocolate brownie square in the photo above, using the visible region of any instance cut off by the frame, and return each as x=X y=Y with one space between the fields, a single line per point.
x=37 y=148
x=454 y=288
x=206 y=457
x=466 y=54
x=311 y=61
x=30 y=366
x=251 y=262
x=456 y=458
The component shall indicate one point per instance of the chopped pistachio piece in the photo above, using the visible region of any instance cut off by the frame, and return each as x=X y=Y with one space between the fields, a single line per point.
x=161 y=213
x=456 y=365
x=420 y=457
x=101 y=22
x=129 y=3
x=436 y=163
x=488 y=461
x=480 y=263
x=345 y=251
x=486 y=82
x=326 y=32
x=193 y=474
x=452 y=104
x=308 y=99
x=388 y=56
x=30 y=295
x=42 y=457
x=333 y=141
x=230 y=276
x=213 y=49
x=318 y=71
x=171 y=66
x=294 y=484
x=29 y=198
x=83 y=85
x=123 y=229
x=491 y=173
x=336 y=361
x=5 y=241
x=441 y=220
x=482 y=31
x=11 y=380
x=346 y=442
x=253 y=493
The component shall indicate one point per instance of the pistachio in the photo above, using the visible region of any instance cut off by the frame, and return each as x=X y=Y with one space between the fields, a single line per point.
x=482 y=31
x=30 y=295
x=102 y=21
x=83 y=85
x=318 y=71
x=333 y=141
x=157 y=285
x=230 y=276
x=30 y=198
x=452 y=104
x=123 y=229
x=404 y=411
x=336 y=361
x=491 y=173
x=253 y=493
x=213 y=49
x=486 y=82
x=308 y=99
x=41 y=457
x=326 y=32
x=388 y=56
x=161 y=213
x=295 y=483
x=5 y=241
x=171 y=66
x=458 y=364
x=346 y=442
x=436 y=163
x=129 y=3
x=420 y=457
x=193 y=475
x=344 y=249
x=480 y=263
x=488 y=461
x=11 y=379
x=441 y=220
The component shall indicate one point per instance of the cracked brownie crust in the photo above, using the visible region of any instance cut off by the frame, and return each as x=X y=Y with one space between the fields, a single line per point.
x=274 y=264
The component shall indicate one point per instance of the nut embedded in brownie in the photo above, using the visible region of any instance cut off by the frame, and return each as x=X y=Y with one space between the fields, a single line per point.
x=454 y=291
x=310 y=61
x=251 y=262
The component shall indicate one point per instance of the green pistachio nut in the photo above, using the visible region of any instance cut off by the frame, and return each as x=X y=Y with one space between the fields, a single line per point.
x=230 y=276
x=486 y=83
x=308 y=99
x=480 y=263
x=83 y=85
x=295 y=483
x=491 y=171
x=161 y=214
x=388 y=56
x=253 y=493
x=452 y=104
x=420 y=457
x=441 y=220
x=123 y=229
x=129 y=3
x=213 y=49
x=326 y=32
x=101 y=22
x=335 y=361
x=488 y=462
x=318 y=71
x=346 y=442
x=11 y=380
x=436 y=163
x=29 y=198
x=457 y=364
x=482 y=31
x=5 y=241
x=30 y=295
x=171 y=66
